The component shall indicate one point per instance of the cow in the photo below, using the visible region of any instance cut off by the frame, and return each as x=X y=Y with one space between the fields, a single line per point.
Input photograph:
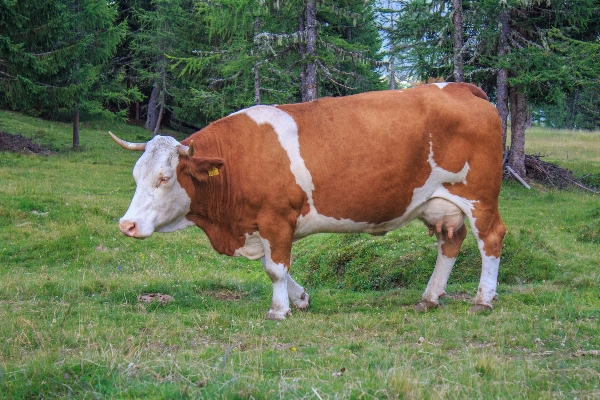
x=266 y=176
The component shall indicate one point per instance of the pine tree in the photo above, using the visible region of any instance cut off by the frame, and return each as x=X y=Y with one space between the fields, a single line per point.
x=283 y=51
x=57 y=54
x=532 y=48
x=92 y=42
x=423 y=37
x=543 y=60
x=28 y=31
x=163 y=30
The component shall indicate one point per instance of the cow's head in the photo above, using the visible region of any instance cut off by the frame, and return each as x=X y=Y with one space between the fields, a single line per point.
x=160 y=204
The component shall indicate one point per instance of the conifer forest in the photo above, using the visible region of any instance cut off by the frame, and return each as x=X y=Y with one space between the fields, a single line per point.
x=184 y=63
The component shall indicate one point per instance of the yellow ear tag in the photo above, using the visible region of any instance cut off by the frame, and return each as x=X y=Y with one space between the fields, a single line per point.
x=213 y=171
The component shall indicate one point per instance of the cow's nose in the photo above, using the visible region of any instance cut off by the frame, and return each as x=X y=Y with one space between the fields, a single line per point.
x=129 y=228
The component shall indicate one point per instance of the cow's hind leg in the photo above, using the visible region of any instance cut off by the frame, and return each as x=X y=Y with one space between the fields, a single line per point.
x=449 y=242
x=490 y=235
x=297 y=294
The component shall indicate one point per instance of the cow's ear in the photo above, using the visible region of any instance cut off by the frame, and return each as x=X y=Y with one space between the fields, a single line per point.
x=202 y=168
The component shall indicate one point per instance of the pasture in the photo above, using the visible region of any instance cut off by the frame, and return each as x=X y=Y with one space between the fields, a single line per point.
x=72 y=326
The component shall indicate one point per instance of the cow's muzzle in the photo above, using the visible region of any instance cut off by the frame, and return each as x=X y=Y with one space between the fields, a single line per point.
x=130 y=228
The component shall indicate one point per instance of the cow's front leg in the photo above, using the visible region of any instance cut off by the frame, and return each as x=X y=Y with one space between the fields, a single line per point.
x=278 y=272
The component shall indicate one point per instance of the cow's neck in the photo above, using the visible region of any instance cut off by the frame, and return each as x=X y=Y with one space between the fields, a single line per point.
x=213 y=204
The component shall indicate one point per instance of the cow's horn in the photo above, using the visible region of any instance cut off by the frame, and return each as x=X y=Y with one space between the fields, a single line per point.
x=128 y=145
x=186 y=150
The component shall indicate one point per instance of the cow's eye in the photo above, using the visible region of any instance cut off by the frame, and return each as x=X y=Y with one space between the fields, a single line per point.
x=164 y=180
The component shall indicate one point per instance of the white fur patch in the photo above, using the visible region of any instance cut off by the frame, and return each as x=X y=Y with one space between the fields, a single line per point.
x=280 y=303
x=253 y=247
x=287 y=132
x=489 y=280
x=439 y=278
x=433 y=188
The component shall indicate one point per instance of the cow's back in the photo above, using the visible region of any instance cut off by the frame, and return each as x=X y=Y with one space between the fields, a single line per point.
x=368 y=153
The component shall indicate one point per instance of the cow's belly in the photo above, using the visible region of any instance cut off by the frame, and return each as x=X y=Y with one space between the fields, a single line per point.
x=433 y=211
x=313 y=222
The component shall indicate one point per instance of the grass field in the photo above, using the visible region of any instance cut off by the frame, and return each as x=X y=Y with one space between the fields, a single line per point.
x=72 y=325
x=575 y=150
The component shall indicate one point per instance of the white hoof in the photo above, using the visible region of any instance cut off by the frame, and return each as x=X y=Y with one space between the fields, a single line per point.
x=302 y=302
x=425 y=305
x=278 y=315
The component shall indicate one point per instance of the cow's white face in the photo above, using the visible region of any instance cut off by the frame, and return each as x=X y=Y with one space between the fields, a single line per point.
x=159 y=204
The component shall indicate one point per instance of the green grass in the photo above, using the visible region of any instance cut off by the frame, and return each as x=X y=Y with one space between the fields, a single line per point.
x=564 y=146
x=72 y=326
x=578 y=151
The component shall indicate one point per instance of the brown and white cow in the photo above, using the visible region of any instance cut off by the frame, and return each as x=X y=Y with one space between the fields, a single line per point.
x=263 y=177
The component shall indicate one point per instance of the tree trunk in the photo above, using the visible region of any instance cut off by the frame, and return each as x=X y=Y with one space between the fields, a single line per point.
x=502 y=77
x=77 y=99
x=502 y=101
x=152 y=116
x=392 y=85
x=392 y=70
x=518 y=119
x=571 y=123
x=309 y=83
x=256 y=85
x=302 y=50
x=76 y=126
x=162 y=102
x=257 y=28
x=459 y=73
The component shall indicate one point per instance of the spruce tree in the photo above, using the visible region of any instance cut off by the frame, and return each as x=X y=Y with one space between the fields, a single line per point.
x=57 y=55
x=28 y=31
x=164 y=29
x=283 y=58
x=528 y=51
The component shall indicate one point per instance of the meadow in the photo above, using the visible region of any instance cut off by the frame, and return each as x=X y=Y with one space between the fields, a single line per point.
x=72 y=326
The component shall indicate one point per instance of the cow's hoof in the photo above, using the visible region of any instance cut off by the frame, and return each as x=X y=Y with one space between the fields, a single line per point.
x=475 y=308
x=277 y=315
x=302 y=302
x=425 y=305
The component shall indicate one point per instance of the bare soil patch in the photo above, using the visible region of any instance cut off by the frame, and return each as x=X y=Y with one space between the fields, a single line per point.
x=152 y=297
x=20 y=144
